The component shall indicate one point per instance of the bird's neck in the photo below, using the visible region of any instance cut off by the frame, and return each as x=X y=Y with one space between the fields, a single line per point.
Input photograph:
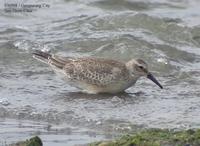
x=132 y=75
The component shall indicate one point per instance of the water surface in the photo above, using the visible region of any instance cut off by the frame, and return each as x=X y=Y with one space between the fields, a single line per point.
x=165 y=33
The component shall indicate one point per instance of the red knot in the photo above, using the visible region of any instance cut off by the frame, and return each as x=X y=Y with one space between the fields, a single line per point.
x=97 y=75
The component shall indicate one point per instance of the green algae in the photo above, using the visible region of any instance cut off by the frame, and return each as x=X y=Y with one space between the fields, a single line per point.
x=34 y=141
x=156 y=137
x=150 y=137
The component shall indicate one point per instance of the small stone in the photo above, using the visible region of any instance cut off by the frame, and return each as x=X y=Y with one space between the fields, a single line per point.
x=34 y=141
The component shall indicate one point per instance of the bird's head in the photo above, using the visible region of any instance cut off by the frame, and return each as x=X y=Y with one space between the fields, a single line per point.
x=138 y=68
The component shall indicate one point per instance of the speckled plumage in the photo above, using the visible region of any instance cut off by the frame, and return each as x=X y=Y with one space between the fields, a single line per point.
x=93 y=75
x=96 y=71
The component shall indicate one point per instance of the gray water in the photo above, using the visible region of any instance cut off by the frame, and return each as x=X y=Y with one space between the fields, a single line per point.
x=34 y=101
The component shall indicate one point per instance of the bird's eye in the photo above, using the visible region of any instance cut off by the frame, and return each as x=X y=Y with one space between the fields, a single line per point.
x=141 y=67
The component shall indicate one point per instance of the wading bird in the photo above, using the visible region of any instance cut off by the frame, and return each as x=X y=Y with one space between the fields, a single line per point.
x=97 y=75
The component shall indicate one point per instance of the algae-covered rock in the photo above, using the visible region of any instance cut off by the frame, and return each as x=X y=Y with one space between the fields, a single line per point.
x=34 y=141
x=156 y=137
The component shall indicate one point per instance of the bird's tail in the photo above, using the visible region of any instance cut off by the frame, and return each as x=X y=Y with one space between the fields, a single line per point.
x=50 y=59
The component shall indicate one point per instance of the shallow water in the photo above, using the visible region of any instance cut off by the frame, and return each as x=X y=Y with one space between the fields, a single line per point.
x=165 y=33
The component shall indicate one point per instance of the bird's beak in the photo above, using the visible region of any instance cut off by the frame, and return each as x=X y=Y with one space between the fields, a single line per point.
x=151 y=77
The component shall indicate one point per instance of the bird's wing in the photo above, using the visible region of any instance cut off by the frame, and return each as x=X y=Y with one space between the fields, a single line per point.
x=95 y=71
